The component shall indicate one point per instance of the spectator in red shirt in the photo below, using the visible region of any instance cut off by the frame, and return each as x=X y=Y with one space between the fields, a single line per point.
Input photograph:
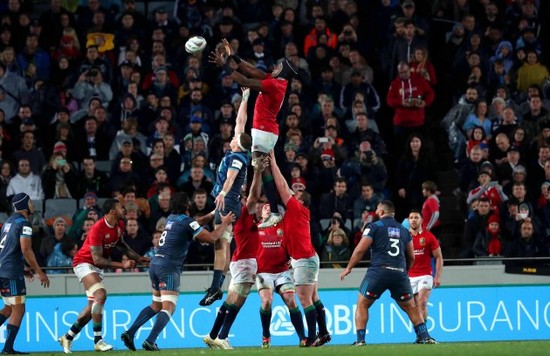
x=430 y=208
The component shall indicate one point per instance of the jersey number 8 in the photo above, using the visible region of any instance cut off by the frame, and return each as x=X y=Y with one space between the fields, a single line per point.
x=163 y=238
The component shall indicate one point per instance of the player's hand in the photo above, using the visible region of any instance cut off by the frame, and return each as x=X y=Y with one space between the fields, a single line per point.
x=246 y=93
x=272 y=160
x=220 y=202
x=27 y=272
x=144 y=260
x=227 y=47
x=44 y=280
x=437 y=282
x=228 y=219
x=127 y=264
x=215 y=57
x=261 y=163
x=344 y=273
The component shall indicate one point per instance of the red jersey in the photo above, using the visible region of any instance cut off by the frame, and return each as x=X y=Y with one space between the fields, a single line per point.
x=268 y=104
x=272 y=256
x=100 y=235
x=246 y=236
x=429 y=210
x=424 y=243
x=298 y=235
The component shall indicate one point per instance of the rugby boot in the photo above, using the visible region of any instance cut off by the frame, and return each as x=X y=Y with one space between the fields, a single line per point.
x=128 y=340
x=211 y=296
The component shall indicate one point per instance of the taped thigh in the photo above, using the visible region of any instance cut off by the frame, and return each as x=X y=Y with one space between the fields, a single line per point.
x=157 y=298
x=15 y=300
x=242 y=289
x=172 y=298
x=93 y=288
x=286 y=288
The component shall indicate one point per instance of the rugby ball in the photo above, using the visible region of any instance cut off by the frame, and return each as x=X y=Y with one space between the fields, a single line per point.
x=195 y=44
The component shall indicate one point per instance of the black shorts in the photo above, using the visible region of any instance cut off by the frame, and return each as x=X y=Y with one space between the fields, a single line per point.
x=379 y=279
x=13 y=287
x=164 y=279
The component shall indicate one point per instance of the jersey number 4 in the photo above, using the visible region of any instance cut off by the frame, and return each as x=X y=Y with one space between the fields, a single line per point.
x=3 y=241
x=394 y=248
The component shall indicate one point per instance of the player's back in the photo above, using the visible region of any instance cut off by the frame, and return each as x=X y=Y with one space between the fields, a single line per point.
x=246 y=236
x=389 y=243
x=11 y=257
x=269 y=103
x=297 y=237
x=175 y=240
x=232 y=160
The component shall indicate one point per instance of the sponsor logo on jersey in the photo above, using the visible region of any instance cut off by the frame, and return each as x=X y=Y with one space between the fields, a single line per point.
x=6 y=228
x=237 y=164
x=27 y=230
x=366 y=232
x=394 y=232
x=169 y=225
x=194 y=225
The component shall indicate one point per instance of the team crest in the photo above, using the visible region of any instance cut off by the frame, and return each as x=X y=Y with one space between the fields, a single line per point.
x=422 y=241
x=107 y=236
x=279 y=232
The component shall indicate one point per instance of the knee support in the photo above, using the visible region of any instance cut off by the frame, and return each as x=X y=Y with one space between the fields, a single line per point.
x=15 y=300
x=97 y=308
x=242 y=289
x=228 y=234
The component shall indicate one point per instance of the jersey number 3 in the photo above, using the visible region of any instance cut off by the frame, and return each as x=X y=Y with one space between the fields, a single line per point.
x=394 y=248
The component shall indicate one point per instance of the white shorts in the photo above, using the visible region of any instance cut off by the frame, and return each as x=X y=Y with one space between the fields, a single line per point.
x=273 y=280
x=243 y=271
x=306 y=270
x=263 y=141
x=84 y=269
x=421 y=282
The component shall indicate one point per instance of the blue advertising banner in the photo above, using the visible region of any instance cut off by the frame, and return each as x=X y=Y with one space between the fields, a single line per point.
x=456 y=314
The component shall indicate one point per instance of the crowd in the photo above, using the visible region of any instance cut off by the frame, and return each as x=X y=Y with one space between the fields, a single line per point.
x=103 y=81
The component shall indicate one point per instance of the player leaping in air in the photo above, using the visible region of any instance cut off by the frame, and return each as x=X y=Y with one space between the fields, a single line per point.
x=230 y=178
x=265 y=129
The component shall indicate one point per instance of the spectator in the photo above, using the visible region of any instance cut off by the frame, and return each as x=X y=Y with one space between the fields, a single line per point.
x=30 y=153
x=531 y=72
x=475 y=224
x=365 y=164
x=59 y=178
x=320 y=28
x=430 y=208
x=25 y=181
x=93 y=143
x=336 y=201
x=487 y=189
x=525 y=246
x=196 y=180
x=32 y=54
x=59 y=236
x=336 y=249
x=6 y=174
x=422 y=65
x=367 y=201
x=408 y=95
x=123 y=176
x=414 y=168
x=161 y=177
x=62 y=256
x=489 y=243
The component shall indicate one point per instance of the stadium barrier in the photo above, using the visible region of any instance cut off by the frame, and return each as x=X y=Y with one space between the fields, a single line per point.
x=466 y=308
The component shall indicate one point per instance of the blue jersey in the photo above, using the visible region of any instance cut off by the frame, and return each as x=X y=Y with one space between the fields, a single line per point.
x=175 y=240
x=232 y=160
x=389 y=239
x=12 y=262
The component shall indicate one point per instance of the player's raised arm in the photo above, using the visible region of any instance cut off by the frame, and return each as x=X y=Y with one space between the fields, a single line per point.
x=256 y=186
x=247 y=68
x=211 y=237
x=242 y=114
x=280 y=181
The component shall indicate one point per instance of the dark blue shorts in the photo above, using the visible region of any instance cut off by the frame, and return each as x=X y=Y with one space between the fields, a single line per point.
x=230 y=206
x=12 y=287
x=379 y=279
x=164 y=279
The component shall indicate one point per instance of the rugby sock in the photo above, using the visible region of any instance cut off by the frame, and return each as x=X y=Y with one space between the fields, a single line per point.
x=97 y=331
x=421 y=330
x=10 y=339
x=311 y=320
x=271 y=192
x=297 y=322
x=321 y=317
x=146 y=314
x=265 y=317
x=75 y=329
x=163 y=317
x=2 y=319
x=220 y=317
x=230 y=315
x=361 y=335
x=217 y=280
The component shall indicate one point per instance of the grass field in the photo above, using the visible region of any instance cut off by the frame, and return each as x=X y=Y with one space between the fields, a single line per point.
x=522 y=348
